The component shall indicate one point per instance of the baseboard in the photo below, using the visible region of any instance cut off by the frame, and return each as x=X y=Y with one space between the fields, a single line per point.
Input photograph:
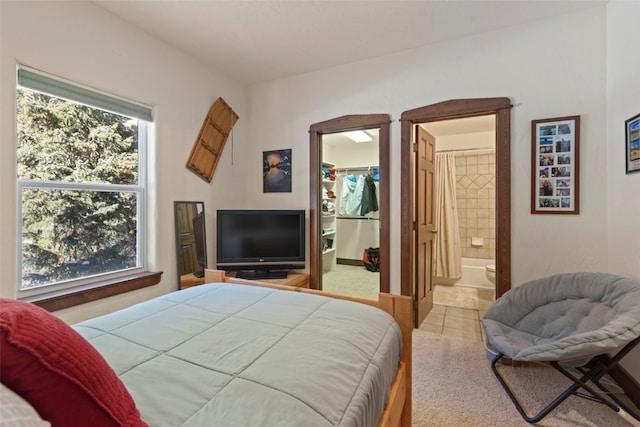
x=347 y=261
x=627 y=383
x=630 y=386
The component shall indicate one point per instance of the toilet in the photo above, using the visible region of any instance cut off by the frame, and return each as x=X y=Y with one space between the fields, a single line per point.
x=490 y=272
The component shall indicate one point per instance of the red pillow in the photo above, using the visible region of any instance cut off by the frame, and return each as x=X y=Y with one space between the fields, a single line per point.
x=58 y=372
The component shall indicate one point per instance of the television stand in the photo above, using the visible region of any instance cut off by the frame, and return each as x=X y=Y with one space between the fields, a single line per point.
x=261 y=274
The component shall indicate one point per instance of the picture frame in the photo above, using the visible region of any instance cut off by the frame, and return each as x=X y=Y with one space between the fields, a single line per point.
x=632 y=144
x=555 y=165
x=276 y=171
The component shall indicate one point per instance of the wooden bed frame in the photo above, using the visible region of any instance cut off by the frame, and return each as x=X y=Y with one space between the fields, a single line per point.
x=397 y=413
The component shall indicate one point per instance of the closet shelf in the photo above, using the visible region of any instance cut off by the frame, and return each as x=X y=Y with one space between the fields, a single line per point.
x=328 y=251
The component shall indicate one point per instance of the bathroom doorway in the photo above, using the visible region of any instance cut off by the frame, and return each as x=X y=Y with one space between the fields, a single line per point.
x=421 y=286
x=463 y=258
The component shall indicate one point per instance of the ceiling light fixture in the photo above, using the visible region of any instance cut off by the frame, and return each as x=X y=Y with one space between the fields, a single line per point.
x=358 y=136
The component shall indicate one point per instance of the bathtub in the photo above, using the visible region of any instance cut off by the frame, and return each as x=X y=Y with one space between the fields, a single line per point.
x=473 y=274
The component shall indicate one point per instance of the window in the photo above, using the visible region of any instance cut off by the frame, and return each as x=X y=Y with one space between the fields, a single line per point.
x=80 y=156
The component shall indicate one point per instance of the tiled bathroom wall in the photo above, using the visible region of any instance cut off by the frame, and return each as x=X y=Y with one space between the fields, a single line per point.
x=476 y=197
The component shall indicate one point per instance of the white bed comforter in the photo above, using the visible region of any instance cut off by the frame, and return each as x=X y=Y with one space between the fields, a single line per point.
x=232 y=355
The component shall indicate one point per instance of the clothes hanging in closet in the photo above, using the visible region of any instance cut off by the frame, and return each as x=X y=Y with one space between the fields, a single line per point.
x=358 y=196
x=369 y=198
x=351 y=196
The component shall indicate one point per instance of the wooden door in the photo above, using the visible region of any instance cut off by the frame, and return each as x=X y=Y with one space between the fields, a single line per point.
x=424 y=220
x=188 y=259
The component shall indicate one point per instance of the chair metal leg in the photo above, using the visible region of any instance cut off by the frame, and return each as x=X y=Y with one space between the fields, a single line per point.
x=596 y=373
x=544 y=412
x=588 y=375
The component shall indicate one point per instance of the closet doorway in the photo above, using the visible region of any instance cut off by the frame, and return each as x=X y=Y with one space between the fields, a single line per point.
x=349 y=205
x=417 y=229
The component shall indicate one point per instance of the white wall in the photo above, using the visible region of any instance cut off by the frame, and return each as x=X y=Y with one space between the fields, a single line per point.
x=549 y=69
x=623 y=102
x=83 y=43
x=352 y=155
x=466 y=141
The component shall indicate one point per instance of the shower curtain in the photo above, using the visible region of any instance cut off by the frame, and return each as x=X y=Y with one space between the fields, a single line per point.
x=448 y=255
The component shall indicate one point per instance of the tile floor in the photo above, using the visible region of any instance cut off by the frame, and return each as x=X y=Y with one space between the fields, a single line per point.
x=455 y=316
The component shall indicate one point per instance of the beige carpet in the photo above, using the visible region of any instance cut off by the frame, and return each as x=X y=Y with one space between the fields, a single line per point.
x=453 y=386
x=352 y=280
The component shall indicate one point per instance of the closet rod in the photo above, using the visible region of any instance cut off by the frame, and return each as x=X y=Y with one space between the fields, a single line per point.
x=356 y=168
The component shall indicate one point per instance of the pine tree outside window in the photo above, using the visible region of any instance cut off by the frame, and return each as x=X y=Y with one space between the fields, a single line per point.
x=80 y=162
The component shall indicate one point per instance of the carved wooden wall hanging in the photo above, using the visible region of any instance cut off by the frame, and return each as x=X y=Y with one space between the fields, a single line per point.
x=213 y=134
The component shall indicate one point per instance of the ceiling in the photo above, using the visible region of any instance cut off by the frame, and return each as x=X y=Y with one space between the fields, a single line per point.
x=256 y=41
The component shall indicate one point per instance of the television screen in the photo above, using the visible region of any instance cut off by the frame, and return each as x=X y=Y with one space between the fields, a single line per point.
x=260 y=240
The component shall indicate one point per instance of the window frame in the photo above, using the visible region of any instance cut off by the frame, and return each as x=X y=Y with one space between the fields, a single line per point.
x=72 y=292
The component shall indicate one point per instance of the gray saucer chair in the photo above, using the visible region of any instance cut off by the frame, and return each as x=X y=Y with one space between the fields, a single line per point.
x=582 y=324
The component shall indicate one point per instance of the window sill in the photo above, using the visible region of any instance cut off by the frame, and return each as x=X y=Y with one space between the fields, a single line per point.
x=58 y=300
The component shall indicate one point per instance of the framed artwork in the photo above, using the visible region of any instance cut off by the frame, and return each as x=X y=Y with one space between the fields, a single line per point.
x=632 y=143
x=555 y=165
x=276 y=171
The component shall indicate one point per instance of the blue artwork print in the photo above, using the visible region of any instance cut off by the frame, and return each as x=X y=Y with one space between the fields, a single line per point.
x=633 y=144
x=634 y=140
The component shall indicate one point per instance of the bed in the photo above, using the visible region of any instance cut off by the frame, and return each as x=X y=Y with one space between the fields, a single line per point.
x=243 y=353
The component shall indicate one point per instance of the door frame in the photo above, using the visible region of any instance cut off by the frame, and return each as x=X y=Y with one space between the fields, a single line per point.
x=455 y=109
x=341 y=124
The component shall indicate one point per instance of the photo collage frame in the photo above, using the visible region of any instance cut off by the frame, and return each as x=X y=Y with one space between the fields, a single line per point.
x=555 y=165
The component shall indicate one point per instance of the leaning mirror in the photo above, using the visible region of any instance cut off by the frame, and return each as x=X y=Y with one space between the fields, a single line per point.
x=191 y=242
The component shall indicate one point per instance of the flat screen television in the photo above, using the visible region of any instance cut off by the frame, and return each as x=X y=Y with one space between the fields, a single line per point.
x=260 y=244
